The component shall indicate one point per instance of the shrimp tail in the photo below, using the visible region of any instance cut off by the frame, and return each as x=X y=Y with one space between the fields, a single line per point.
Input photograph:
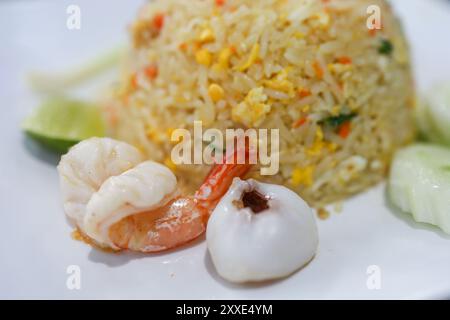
x=220 y=179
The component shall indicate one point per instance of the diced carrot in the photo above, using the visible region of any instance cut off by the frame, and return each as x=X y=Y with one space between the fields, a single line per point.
x=197 y=45
x=158 y=21
x=300 y=122
x=220 y=3
x=303 y=93
x=345 y=60
x=183 y=46
x=151 y=71
x=345 y=129
x=134 y=81
x=318 y=70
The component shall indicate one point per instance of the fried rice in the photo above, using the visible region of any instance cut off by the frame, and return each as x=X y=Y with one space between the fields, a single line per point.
x=341 y=95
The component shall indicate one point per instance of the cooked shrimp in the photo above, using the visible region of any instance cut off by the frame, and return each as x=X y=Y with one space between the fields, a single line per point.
x=178 y=222
x=136 y=206
x=84 y=169
x=146 y=187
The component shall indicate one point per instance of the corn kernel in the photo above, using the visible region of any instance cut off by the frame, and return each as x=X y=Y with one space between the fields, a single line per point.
x=207 y=35
x=306 y=108
x=319 y=134
x=303 y=176
x=169 y=132
x=203 y=57
x=299 y=35
x=216 y=92
x=150 y=133
x=318 y=145
x=332 y=147
x=224 y=58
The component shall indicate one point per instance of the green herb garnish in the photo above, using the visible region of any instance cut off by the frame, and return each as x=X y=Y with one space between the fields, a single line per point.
x=386 y=47
x=339 y=120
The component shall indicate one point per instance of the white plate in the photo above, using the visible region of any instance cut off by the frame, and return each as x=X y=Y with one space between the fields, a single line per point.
x=35 y=246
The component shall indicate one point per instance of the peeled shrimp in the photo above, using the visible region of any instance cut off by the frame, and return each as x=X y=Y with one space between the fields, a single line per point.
x=86 y=167
x=141 y=208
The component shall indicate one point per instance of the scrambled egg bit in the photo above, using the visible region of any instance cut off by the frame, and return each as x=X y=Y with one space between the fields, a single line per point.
x=281 y=83
x=253 y=110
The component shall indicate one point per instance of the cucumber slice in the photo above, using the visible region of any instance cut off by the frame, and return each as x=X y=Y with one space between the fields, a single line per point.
x=419 y=184
x=433 y=114
x=60 y=123
x=425 y=124
x=53 y=83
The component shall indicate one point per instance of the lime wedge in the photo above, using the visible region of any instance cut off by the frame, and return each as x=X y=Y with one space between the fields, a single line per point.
x=59 y=123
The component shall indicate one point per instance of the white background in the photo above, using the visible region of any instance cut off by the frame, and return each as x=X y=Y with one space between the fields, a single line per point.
x=35 y=243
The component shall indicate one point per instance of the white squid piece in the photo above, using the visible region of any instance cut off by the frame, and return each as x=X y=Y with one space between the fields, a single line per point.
x=260 y=232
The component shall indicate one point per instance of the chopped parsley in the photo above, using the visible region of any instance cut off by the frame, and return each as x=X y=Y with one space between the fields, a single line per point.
x=386 y=47
x=339 y=120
